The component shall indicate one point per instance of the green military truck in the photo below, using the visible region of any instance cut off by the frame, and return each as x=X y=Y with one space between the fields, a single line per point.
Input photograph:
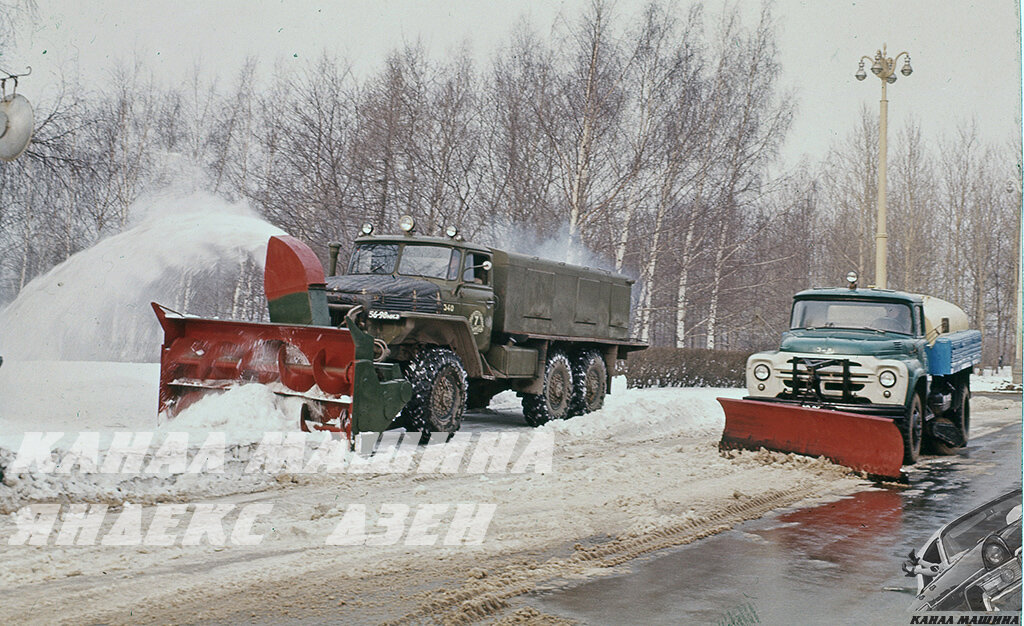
x=898 y=359
x=466 y=322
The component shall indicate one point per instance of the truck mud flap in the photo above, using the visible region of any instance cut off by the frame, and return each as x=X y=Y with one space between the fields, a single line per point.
x=331 y=369
x=862 y=442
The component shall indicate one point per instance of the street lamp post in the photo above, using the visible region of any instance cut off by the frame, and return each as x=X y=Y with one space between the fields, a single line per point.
x=1017 y=186
x=885 y=69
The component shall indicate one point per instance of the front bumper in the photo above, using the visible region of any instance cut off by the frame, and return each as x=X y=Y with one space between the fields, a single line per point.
x=881 y=410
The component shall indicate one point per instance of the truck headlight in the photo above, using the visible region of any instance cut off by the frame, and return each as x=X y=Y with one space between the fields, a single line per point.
x=762 y=371
x=406 y=223
x=887 y=379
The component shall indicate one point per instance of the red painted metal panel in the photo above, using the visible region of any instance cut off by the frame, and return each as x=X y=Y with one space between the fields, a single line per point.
x=291 y=267
x=862 y=442
x=199 y=355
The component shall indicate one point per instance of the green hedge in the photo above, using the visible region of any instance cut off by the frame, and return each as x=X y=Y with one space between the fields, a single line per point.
x=684 y=367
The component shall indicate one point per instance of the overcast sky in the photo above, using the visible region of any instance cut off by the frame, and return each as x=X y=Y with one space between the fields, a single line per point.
x=966 y=55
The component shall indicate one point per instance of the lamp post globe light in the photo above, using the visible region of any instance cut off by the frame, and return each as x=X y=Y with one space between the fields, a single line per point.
x=884 y=68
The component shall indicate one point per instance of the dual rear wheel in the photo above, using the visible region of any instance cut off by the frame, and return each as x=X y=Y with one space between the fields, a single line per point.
x=571 y=386
x=951 y=426
x=950 y=431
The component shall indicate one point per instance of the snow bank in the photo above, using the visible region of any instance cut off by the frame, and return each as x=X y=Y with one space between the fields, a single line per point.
x=109 y=400
x=75 y=396
x=995 y=380
x=642 y=413
x=78 y=396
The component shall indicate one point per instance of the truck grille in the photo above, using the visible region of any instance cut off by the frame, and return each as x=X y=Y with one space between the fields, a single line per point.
x=422 y=304
x=831 y=377
x=828 y=385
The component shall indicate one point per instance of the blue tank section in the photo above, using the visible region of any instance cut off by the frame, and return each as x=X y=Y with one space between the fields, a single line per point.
x=954 y=352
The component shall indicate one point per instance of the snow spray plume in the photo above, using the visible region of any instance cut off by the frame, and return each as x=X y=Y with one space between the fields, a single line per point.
x=95 y=305
x=556 y=246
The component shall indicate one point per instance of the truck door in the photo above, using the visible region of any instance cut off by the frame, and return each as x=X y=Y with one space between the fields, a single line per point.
x=477 y=298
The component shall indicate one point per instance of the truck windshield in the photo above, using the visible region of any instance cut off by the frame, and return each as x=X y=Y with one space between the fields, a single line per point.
x=374 y=258
x=415 y=260
x=891 y=317
x=430 y=261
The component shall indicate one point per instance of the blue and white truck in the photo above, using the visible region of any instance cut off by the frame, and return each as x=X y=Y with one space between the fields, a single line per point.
x=854 y=365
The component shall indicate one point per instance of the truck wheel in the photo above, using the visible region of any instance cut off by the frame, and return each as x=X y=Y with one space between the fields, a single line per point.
x=438 y=392
x=910 y=428
x=555 y=402
x=590 y=382
x=959 y=417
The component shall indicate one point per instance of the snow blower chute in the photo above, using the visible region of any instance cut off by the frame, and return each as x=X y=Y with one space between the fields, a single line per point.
x=297 y=354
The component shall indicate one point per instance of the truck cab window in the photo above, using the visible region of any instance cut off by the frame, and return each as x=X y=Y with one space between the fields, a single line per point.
x=853 y=314
x=454 y=264
x=374 y=258
x=474 y=273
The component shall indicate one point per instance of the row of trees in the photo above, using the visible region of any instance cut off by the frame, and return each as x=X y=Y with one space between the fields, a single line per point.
x=644 y=141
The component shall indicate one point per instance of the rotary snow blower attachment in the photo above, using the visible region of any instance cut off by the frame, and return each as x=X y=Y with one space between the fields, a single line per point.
x=297 y=354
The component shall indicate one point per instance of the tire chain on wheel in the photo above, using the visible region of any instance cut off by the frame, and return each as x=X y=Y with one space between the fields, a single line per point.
x=583 y=362
x=535 y=406
x=423 y=372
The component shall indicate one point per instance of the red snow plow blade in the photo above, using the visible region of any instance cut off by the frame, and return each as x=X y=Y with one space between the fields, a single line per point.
x=862 y=442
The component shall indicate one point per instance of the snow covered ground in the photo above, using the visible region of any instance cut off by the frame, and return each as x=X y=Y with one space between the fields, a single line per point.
x=995 y=380
x=325 y=535
x=67 y=399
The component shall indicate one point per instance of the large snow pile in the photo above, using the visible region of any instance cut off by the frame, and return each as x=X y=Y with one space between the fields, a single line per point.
x=641 y=413
x=243 y=413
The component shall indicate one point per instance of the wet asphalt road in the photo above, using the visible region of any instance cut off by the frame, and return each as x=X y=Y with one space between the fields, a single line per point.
x=837 y=563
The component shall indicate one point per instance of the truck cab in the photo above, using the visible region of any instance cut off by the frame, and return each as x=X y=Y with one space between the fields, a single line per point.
x=398 y=277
